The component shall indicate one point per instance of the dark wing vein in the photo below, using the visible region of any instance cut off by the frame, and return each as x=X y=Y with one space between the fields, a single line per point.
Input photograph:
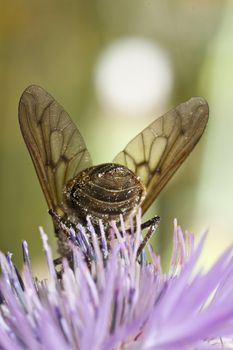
x=157 y=152
x=56 y=146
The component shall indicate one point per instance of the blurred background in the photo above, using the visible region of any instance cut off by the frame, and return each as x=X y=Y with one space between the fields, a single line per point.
x=115 y=66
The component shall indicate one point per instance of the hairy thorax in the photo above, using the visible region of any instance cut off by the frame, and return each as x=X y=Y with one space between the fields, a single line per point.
x=103 y=192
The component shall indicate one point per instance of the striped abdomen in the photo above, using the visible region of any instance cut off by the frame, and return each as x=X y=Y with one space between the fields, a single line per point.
x=104 y=192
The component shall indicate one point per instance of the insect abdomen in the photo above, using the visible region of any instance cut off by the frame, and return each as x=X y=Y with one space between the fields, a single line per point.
x=104 y=192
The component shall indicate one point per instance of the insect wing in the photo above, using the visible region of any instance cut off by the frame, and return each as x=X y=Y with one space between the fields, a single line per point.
x=56 y=146
x=157 y=152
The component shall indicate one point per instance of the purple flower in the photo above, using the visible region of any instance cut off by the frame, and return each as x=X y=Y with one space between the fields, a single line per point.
x=113 y=301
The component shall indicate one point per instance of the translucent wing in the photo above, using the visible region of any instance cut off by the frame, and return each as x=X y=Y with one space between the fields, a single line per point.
x=155 y=154
x=56 y=146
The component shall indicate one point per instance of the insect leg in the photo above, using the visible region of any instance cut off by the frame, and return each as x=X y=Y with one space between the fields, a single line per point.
x=153 y=225
x=64 y=226
x=60 y=222
x=151 y=222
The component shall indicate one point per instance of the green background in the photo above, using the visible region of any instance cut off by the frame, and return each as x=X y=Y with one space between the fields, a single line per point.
x=56 y=44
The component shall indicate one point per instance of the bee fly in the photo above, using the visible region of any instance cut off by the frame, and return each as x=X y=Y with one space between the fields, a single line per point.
x=74 y=188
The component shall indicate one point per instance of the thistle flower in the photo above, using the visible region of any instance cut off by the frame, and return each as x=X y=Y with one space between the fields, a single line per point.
x=113 y=300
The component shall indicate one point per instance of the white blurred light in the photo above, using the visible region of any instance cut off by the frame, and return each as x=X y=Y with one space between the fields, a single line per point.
x=133 y=76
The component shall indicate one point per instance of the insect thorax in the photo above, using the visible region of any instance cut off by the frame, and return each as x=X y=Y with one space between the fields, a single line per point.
x=103 y=192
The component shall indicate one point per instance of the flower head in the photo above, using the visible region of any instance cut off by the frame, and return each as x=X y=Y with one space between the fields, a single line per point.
x=117 y=301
